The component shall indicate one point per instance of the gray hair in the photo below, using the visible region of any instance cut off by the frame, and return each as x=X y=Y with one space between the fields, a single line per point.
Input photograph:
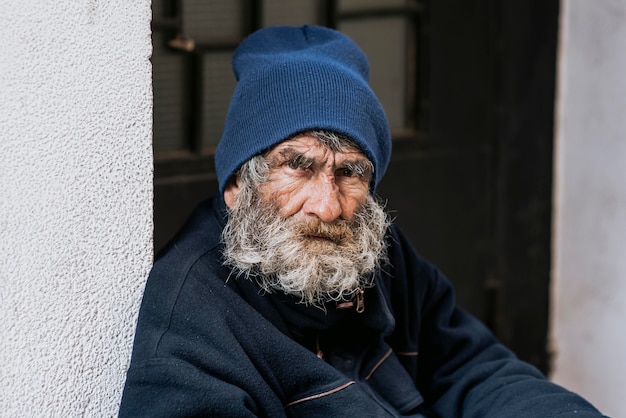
x=256 y=170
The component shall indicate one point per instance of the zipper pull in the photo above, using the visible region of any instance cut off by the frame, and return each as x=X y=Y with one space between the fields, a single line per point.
x=360 y=300
x=318 y=349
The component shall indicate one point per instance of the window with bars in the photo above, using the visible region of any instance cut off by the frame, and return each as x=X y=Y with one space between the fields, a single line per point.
x=193 y=45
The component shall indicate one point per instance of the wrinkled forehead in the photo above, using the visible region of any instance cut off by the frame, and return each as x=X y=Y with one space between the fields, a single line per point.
x=308 y=153
x=316 y=141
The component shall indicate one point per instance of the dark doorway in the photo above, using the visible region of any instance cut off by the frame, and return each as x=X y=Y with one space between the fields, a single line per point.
x=470 y=99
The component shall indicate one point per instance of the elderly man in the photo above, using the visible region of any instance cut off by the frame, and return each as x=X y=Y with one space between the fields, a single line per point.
x=291 y=293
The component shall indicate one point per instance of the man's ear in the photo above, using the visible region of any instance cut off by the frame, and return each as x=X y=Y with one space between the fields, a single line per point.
x=230 y=192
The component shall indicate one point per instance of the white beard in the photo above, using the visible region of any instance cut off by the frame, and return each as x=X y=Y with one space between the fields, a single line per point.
x=313 y=260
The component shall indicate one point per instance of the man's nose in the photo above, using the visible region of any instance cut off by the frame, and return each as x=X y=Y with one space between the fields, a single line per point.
x=323 y=200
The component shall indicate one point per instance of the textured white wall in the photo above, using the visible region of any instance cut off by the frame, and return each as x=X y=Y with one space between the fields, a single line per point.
x=75 y=201
x=589 y=314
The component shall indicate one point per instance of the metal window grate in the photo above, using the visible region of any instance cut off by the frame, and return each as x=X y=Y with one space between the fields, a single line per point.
x=218 y=83
x=169 y=104
x=289 y=12
x=212 y=21
x=192 y=85
x=388 y=64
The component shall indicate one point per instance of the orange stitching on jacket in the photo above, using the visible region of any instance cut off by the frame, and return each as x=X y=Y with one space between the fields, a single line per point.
x=321 y=395
x=387 y=354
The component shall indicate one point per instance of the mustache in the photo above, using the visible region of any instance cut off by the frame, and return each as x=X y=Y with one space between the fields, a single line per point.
x=339 y=231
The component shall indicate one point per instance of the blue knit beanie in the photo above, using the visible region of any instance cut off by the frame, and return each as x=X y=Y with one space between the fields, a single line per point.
x=294 y=79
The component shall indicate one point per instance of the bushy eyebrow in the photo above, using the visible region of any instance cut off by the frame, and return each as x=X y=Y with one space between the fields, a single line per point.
x=291 y=155
x=362 y=168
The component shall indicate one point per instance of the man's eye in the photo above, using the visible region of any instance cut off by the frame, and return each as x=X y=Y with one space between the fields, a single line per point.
x=294 y=164
x=348 y=172
x=298 y=163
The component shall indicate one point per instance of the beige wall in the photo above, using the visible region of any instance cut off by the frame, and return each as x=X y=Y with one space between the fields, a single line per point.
x=75 y=201
x=589 y=282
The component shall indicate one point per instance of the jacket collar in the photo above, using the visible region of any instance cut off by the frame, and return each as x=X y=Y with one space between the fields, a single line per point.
x=296 y=319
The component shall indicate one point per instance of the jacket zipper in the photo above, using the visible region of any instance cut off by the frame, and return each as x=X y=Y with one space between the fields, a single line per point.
x=318 y=349
x=360 y=300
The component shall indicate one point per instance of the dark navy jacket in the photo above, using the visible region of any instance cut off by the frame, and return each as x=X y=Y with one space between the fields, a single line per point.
x=209 y=344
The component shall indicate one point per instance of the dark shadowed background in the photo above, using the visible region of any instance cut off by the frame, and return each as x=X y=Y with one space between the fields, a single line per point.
x=468 y=87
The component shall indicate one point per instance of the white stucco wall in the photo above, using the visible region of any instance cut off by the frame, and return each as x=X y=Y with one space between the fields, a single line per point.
x=589 y=282
x=75 y=201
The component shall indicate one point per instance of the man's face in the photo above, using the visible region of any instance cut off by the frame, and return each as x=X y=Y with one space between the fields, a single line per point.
x=308 y=180
x=311 y=227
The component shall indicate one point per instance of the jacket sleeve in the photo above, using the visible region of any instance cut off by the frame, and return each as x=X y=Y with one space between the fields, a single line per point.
x=462 y=369
x=162 y=387
x=187 y=360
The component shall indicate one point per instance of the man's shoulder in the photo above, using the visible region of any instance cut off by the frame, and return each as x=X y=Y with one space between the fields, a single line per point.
x=200 y=234
x=402 y=250
x=194 y=252
x=408 y=274
x=185 y=283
